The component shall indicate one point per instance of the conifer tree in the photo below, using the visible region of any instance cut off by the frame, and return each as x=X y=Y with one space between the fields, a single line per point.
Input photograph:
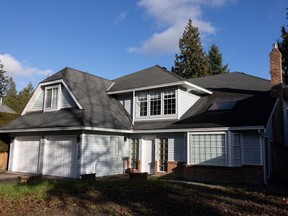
x=283 y=47
x=215 y=62
x=24 y=96
x=3 y=80
x=192 y=61
x=11 y=96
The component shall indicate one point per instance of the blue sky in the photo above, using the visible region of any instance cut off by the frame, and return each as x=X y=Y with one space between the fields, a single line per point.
x=113 y=38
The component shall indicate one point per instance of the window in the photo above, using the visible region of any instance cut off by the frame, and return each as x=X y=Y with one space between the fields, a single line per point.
x=52 y=97
x=246 y=149
x=208 y=149
x=169 y=102
x=222 y=106
x=237 y=149
x=155 y=104
x=163 y=154
x=143 y=104
x=134 y=153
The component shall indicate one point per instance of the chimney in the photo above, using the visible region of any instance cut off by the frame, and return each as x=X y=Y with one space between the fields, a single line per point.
x=276 y=71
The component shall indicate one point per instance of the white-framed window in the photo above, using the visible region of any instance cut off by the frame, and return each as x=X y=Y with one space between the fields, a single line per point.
x=156 y=103
x=163 y=154
x=143 y=104
x=246 y=149
x=52 y=97
x=208 y=149
x=134 y=153
x=169 y=102
x=237 y=140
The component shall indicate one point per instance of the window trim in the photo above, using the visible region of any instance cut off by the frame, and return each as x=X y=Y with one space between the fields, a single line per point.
x=149 y=101
x=58 y=97
x=163 y=167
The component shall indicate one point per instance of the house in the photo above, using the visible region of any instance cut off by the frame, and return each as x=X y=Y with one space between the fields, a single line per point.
x=216 y=128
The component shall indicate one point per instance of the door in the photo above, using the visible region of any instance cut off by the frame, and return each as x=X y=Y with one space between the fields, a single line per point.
x=60 y=156
x=26 y=154
x=148 y=155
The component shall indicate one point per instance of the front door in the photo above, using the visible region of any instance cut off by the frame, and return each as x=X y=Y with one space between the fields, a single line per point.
x=148 y=154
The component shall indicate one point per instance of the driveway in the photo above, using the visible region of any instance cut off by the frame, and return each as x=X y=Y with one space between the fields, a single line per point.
x=8 y=177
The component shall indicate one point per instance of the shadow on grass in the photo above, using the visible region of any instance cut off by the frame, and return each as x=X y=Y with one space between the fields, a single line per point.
x=154 y=197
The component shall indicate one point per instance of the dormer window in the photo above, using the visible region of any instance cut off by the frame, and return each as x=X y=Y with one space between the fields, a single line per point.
x=156 y=104
x=52 y=97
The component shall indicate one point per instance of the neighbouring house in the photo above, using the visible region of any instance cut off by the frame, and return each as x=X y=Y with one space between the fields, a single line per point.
x=213 y=129
x=6 y=115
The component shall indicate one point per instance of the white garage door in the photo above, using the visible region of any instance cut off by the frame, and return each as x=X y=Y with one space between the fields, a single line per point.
x=60 y=156
x=25 y=154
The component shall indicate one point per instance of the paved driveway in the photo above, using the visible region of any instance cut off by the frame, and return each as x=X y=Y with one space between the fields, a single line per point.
x=5 y=177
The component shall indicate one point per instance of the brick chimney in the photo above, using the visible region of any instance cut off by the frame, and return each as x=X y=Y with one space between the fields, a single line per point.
x=276 y=71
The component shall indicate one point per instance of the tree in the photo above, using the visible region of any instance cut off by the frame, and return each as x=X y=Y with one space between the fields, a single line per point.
x=3 y=80
x=11 y=95
x=192 y=61
x=215 y=63
x=24 y=96
x=283 y=47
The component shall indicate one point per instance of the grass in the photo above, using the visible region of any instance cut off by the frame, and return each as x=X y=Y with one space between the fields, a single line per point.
x=151 y=197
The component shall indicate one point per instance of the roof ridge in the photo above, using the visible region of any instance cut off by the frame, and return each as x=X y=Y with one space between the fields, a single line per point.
x=87 y=73
x=171 y=73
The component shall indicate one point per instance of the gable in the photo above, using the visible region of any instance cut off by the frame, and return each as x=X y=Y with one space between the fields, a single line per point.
x=66 y=98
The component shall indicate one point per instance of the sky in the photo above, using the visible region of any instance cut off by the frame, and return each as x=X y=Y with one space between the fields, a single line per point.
x=113 y=38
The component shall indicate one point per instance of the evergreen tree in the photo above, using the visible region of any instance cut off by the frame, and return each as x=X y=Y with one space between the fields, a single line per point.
x=215 y=61
x=283 y=47
x=192 y=61
x=24 y=96
x=11 y=96
x=3 y=80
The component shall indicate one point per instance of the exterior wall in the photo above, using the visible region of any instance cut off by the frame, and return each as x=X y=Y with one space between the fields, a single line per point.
x=38 y=105
x=127 y=102
x=185 y=101
x=245 y=174
x=66 y=100
x=103 y=154
x=3 y=160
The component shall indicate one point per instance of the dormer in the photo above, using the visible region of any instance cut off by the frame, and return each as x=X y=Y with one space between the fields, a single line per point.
x=52 y=96
x=155 y=93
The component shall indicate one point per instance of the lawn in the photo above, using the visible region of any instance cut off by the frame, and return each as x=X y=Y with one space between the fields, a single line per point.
x=150 y=197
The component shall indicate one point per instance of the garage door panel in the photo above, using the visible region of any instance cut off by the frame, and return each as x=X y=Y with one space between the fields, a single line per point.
x=60 y=156
x=26 y=151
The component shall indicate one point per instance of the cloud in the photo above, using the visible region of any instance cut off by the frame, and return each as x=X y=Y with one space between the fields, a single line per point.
x=171 y=16
x=120 y=17
x=16 y=68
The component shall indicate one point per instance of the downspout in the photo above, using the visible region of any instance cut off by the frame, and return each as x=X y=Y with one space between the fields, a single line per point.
x=133 y=108
x=263 y=158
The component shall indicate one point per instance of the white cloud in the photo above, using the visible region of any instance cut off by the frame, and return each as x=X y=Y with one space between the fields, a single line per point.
x=120 y=17
x=16 y=68
x=172 y=16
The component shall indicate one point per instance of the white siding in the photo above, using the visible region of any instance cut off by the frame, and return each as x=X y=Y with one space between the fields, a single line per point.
x=103 y=154
x=66 y=99
x=39 y=102
x=251 y=149
x=126 y=101
x=185 y=101
x=176 y=148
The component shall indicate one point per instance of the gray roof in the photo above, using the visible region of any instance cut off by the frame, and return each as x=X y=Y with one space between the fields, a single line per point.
x=6 y=109
x=99 y=109
x=155 y=75
x=253 y=108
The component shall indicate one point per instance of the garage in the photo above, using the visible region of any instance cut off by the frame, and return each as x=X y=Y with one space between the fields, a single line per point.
x=25 y=154
x=60 y=156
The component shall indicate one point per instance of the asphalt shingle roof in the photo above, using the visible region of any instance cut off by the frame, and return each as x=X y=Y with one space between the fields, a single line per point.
x=155 y=75
x=99 y=109
x=253 y=108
